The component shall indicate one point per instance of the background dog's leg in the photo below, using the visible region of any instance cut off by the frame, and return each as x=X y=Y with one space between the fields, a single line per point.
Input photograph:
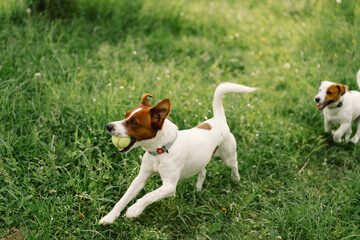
x=327 y=126
x=200 y=179
x=134 y=189
x=227 y=152
x=356 y=137
x=340 y=132
x=347 y=135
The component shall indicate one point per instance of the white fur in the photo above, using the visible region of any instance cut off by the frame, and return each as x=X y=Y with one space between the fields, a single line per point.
x=345 y=115
x=188 y=156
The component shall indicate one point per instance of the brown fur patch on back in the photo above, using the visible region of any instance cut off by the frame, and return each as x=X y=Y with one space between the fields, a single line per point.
x=205 y=126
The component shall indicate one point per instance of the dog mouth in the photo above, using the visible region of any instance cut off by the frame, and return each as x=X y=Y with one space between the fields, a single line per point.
x=321 y=106
x=127 y=148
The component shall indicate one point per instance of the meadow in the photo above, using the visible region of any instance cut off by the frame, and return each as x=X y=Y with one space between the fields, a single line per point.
x=67 y=71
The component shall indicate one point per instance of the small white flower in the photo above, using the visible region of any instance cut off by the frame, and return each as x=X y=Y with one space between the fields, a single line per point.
x=134 y=52
x=37 y=74
x=338 y=1
x=28 y=11
x=287 y=65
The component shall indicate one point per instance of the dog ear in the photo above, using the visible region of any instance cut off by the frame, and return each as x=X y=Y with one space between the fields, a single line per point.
x=144 y=100
x=159 y=113
x=342 y=89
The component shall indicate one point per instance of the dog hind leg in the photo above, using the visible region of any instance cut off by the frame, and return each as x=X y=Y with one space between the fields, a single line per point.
x=227 y=152
x=200 y=180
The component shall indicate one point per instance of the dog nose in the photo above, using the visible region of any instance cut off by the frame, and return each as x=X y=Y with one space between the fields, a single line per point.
x=110 y=127
x=317 y=99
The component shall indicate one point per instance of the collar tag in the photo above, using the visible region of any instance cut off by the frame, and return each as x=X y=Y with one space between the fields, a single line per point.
x=160 y=151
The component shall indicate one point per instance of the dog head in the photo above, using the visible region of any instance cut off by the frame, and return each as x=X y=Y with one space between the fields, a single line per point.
x=140 y=123
x=329 y=94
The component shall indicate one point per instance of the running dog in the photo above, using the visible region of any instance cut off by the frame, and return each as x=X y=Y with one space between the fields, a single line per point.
x=340 y=106
x=173 y=154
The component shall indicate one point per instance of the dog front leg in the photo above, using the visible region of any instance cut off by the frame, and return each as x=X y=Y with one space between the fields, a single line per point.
x=347 y=135
x=164 y=191
x=167 y=189
x=327 y=126
x=356 y=137
x=134 y=189
x=340 y=132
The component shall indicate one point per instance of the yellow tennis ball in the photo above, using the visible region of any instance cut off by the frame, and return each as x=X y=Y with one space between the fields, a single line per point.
x=121 y=142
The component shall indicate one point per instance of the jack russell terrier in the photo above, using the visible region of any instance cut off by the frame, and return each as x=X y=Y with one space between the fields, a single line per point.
x=173 y=154
x=340 y=106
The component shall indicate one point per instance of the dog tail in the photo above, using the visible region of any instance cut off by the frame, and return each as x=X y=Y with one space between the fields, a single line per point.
x=219 y=93
x=358 y=78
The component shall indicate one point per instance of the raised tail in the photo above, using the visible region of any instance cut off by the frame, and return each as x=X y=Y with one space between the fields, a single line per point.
x=358 y=78
x=219 y=93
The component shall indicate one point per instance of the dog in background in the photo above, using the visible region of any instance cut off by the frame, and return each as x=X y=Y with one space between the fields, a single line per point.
x=173 y=154
x=340 y=106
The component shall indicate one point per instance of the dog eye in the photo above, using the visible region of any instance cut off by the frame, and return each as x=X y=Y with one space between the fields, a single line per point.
x=328 y=93
x=133 y=122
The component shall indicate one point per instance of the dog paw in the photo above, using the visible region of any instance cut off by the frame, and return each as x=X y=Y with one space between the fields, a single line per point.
x=337 y=139
x=355 y=140
x=108 y=219
x=198 y=187
x=235 y=177
x=133 y=211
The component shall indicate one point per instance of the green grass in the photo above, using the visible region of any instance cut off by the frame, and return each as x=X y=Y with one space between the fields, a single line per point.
x=62 y=78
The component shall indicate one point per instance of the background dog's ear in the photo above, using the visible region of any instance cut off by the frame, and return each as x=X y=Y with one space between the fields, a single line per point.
x=342 y=89
x=144 y=100
x=159 y=113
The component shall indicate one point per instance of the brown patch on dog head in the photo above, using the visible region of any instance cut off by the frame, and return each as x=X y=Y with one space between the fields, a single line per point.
x=342 y=89
x=334 y=92
x=205 y=126
x=144 y=100
x=144 y=121
x=138 y=124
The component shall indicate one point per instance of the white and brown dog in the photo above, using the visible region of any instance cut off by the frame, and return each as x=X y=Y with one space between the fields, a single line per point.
x=340 y=107
x=173 y=154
